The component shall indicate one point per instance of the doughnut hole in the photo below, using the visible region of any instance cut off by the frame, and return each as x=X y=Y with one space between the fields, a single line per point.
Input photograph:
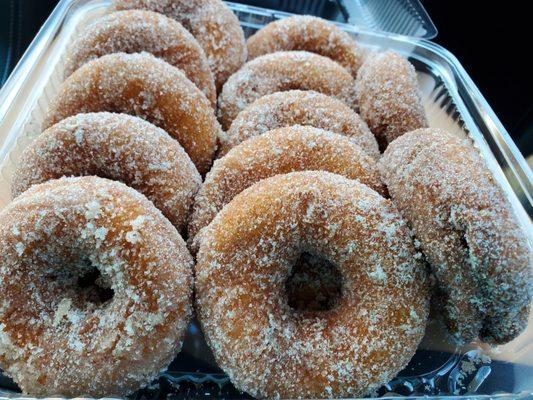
x=80 y=284
x=314 y=284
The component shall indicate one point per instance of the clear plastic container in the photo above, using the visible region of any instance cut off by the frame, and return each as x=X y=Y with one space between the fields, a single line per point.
x=404 y=17
x=452 y=102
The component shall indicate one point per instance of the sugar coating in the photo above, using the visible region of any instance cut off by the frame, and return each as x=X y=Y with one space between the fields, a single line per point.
x=467 y=230
x=283 y=150
x=134 y=31
x=213 y=25
x=308 y=33
x=142 y=85
x=118 y=147
x=389 y=96
x=298 y=107
x=283 y=71
x=54 y=338
x=270 y=350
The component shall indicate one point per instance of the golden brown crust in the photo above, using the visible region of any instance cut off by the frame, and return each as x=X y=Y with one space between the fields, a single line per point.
x=298 y=107
x=289 y=149
x=283 y=71
x=118 y=147
x=307 y=33
x=55 y=339
x=467 y=230
x=135 y=31
x=213 y=25
x=142 y=85
x=270 y=350
x=389 y=97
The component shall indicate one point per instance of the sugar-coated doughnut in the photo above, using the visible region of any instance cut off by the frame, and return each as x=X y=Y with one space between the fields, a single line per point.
x=304 y=32
x=389 y=96
x=279 y=72
x=298 y=107
x=135 y=31
x=269 y=349
x=283 y=150
x=213 y=25
x=118 y=147
x=65 y=243
x=142 y=85
x=467 y=230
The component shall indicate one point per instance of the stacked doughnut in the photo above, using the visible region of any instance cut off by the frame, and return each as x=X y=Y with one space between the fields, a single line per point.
x=308 y=280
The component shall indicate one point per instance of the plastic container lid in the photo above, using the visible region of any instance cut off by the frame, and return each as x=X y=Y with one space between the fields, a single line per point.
x=404 y=17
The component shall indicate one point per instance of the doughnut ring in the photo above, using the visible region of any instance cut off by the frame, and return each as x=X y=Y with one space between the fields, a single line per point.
x=213 y=25
x=307 y=33
x=295 y=148
x=297 y=107
x=118 y=147
x=389 y=97
x=279 y=72
x=467 y=230
x=135 y=31
x=142 y=85
x=107 y=284
x=268 y=349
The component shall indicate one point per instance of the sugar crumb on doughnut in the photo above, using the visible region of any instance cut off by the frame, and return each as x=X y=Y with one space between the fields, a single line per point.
x=134 y=31
x=283 y=71
x=279 y=151
x=62 y=337
x=142 y=85
x=467 y=230
x=389 y=96
x=307 y=33
x=271 y=351
x=298 y=107
x=119 y=147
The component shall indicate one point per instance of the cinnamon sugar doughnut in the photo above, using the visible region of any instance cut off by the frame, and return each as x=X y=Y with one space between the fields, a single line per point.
x=389 y=97
x=296 y=148
x=297 y=107
x=213 y=25
x=118 y=147
x=142 y=85
x=62 y=245
x=467 y=230
x=135 y=31
x=304 y=32
x=279 y=72
x=270 y=350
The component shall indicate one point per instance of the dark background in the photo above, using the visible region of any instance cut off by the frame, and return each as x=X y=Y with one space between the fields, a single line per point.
x=493 y=42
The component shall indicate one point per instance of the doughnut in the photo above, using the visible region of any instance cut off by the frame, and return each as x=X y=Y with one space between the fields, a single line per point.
x=389 y=97
x=467 y=230
x=118 y=147
x=96 y=289
x=270 y=350
x=213 y=25
x=279 y=72
x=297 y=107
x=304 y=32
x=283 y=150
x=145 y=86
x=135 y=31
